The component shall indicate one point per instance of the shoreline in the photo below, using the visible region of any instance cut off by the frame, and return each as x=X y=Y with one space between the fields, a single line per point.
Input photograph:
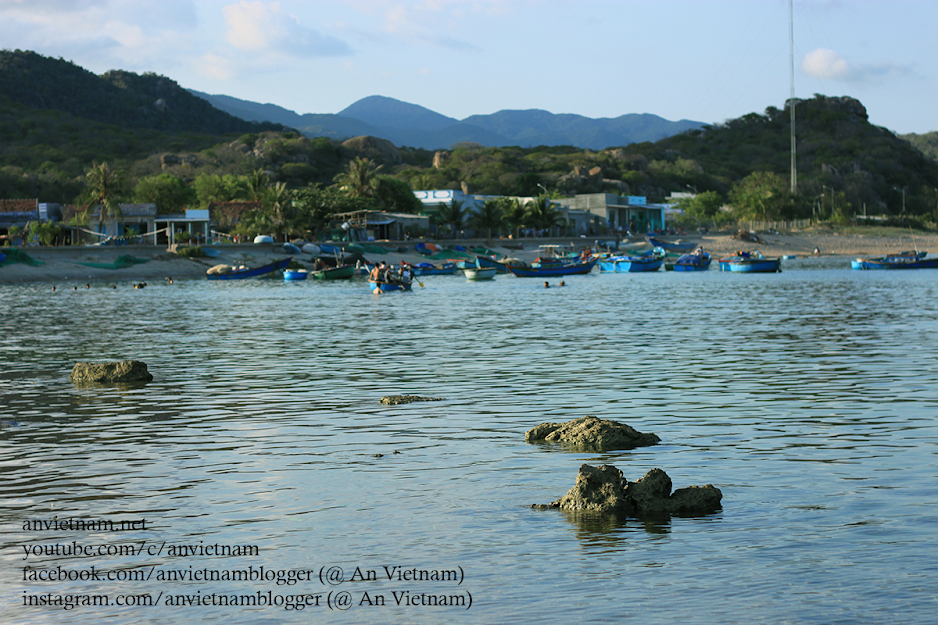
x=63 y=264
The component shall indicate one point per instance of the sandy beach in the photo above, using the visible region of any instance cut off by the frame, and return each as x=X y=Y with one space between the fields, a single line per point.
x=65 y=264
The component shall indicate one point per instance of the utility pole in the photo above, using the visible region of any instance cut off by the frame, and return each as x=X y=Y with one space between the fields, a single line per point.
x=791 y=100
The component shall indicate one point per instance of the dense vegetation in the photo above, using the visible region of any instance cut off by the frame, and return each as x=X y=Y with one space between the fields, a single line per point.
x=58 y=123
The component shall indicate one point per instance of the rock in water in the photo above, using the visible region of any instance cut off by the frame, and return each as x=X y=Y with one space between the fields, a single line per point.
x=110 y=372
x=393 y=400
x=604 y=489
x=591 y=433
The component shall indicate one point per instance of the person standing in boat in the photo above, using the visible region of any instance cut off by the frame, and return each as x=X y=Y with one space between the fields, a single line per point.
x=406 y=275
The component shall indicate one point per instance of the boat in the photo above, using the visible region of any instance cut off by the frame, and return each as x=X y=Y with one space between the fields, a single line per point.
x=427 y=248
x=389 y=286
x=548 y=269
x=698 y=261
x=211 y=252
x=651 y=261
x=249 y=272
x=900 y=260
x=334 y=273
x=263 y=238
x=485 y=261
x=480 y=273
x=295 y=274
x=429 y=269
x=678 y=247
x=750 y=262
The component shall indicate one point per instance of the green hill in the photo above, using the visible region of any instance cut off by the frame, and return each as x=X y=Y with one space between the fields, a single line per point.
x=56 y=119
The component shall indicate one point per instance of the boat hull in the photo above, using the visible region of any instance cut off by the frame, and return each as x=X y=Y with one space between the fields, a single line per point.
x=337 y=273
x=387 y=286
x=692 y=262
x=488 y=262
x=678 y=247
x=918 y=261
x=630 y=265
x=295 y=276
x=483 y=273
x=752 y=265
x=252 y=272
x=553 y=270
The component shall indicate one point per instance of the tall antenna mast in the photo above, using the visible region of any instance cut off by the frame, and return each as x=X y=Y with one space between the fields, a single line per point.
x=791 y=101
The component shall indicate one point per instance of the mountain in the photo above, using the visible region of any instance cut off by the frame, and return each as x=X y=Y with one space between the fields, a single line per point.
x=117 y=97
x=412 y=125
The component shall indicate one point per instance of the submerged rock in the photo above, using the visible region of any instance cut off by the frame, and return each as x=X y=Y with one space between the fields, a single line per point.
x=604 y=489
x=393 y=400
x=110 y=372
x=593 y=433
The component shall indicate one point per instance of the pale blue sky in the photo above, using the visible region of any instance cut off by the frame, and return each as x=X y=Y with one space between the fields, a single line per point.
x=704 y=60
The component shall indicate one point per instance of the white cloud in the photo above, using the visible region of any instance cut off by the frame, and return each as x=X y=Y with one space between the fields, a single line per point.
x=829 y=65
x=260 y=27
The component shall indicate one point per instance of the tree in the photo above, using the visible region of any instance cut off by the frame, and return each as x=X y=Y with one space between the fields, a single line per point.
x=278 y=204
x=103 y=187
x=702 y=206
x=515 y=215
x=215 y=188
x=257 y=183
x=760 y=195
x=169 y=193
x=490 y=217
x=360 y=179
x=452 y=215
x=541 y=214
x=397 y=196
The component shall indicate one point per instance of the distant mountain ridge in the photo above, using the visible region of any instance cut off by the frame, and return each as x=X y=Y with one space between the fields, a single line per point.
x=406 y=124
x=116 y=97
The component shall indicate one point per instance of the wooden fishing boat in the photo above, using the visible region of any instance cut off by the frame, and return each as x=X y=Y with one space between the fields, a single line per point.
x=291 y=275
x=698 y=261
x=678 y=247
x=485 y=261
x=250 y=272
x=429 y=269
x=750 y=262
x=334 y=273
x=651 y=261
x=900 y=260
x=479 y=273
x=548 y=269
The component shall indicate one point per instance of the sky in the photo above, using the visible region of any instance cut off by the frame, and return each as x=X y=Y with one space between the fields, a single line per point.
x=702 y=60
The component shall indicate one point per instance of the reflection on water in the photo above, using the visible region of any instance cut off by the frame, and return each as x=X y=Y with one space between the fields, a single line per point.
x=808 y=397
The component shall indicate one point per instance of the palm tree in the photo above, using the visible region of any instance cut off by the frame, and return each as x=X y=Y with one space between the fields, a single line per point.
x=542 y=215
x=257 y=181
x=515 y=215
x=103 y=186
x=454 y=215
x=360 y=179
x=490 y=217
x=279 y=205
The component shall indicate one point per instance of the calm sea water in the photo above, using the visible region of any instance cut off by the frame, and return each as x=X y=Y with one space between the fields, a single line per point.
x=810 y=398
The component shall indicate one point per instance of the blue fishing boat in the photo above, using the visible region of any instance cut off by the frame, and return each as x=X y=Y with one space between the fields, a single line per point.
x=900 y=260
x=292 y=275
x=251 y=272
x=650 y=261
x=485 y=261
x=429 y=269
x=389 y=286
x=750 y=262
x=698 y=261
x=548 y=269
x=677 y=247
